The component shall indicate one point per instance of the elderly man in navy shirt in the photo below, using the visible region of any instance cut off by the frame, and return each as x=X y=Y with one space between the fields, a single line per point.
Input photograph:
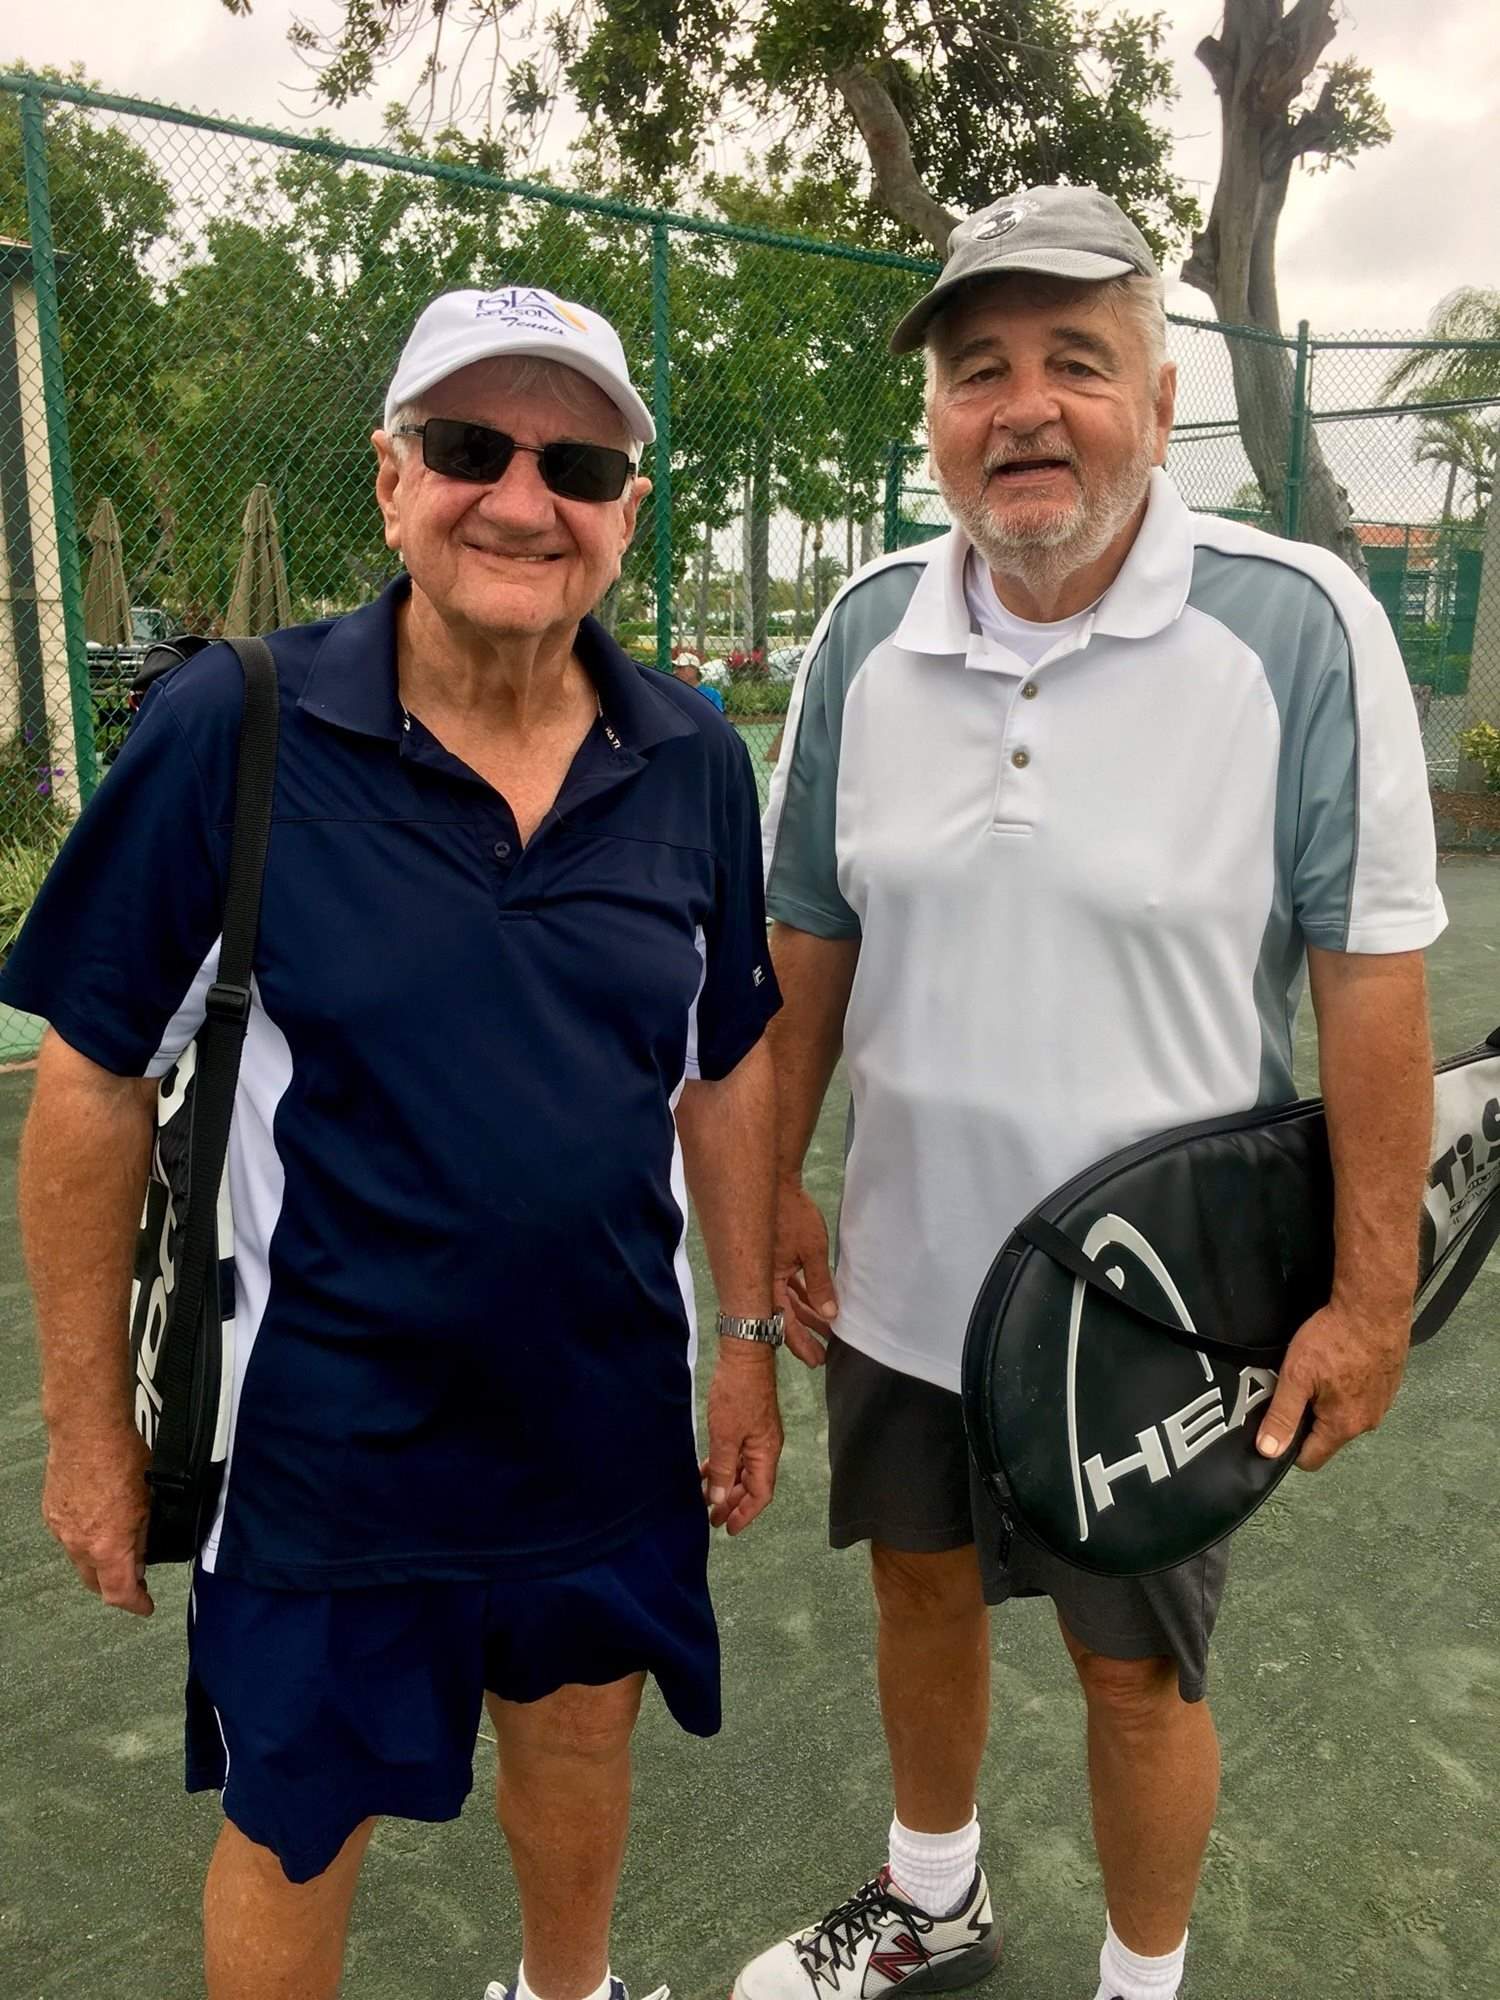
x=509 y=994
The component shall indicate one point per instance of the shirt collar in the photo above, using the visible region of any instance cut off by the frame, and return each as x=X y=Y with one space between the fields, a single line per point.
x=937 y=618
x=1152 y=587
x=352 y=680
x=1147 y=595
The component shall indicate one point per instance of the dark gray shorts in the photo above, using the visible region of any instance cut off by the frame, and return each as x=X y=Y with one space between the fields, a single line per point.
x=901 y=1475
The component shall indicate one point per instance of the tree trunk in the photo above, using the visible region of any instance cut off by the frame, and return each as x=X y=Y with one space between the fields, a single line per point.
x=760 y=550
x=898 y=186
x=849 y=543
x=801 y=580
x=705 y=571
x=1482 y=703
x=747 y=553
x=1259 y=65
x=817 y=571
x=869 y=532
x=1448 y=496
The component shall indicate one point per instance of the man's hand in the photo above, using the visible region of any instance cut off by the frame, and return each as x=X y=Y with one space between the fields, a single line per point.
x=1348 y=1366
x=801 y=1281
x=95 y=1501
x=744 y=1434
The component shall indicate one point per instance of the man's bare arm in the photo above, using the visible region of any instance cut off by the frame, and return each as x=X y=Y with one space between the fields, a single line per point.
x=816 y=976
x=727 y=1133
x=85 y=1155
x=1375 y=1067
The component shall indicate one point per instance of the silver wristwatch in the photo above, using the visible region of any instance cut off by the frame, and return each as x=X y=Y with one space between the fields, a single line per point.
x=770 y=1331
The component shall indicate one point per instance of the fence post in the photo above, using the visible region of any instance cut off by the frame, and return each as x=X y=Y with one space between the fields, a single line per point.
x=1297 y=443
x=49 y=341
x=661 y=463
x=895 y=458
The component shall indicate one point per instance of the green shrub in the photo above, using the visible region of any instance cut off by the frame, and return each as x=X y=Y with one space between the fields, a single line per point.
x=751 y=698
x=29 y=809
x=1482 y=743
x=22 y=872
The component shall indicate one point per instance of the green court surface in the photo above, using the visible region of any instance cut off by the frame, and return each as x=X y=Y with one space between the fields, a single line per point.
x=1356 y=1683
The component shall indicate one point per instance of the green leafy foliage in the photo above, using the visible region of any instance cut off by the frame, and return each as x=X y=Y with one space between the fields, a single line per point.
x=994 y=94
x=23 y=869
x=110 y=205
x=1482 y=743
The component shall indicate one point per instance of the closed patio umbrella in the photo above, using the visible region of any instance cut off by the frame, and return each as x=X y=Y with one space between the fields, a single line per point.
x=106 y=596
x=260 y=600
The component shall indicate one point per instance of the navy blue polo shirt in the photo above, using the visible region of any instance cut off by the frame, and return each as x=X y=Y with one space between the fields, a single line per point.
x=463 y=1325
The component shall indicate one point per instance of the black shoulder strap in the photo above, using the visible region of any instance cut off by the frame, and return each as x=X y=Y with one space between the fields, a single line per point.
x=1052 y=1242
x=219 y=1042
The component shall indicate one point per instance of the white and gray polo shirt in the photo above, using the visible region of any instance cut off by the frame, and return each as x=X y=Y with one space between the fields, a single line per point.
x=1083 y=888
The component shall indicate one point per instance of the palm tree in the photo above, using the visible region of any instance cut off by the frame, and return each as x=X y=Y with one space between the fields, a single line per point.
x=1458 y=372
x=1465 y=444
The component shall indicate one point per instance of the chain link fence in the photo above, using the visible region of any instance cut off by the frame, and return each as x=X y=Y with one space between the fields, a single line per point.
x=198 y=321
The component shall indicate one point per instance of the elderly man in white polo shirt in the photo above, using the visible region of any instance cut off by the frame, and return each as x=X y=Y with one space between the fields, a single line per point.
x=1070 y=802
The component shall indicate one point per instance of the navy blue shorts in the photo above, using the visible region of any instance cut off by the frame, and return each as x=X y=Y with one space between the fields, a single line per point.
x=312 y=1711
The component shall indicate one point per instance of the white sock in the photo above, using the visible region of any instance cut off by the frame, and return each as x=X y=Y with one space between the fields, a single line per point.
x=525 y=1992
x=1125 y=1975
x=934 y=1870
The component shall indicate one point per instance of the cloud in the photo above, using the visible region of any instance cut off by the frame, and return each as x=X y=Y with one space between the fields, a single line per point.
x=1375 y=246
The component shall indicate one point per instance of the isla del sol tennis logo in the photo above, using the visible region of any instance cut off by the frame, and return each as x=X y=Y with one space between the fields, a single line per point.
x=526 y=305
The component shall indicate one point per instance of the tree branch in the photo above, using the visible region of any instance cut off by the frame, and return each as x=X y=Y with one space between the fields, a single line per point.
x=1313 y=132
x=1215 y=59
x=897 y=182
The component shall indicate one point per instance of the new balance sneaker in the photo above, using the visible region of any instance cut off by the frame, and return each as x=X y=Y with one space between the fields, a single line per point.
x=495 y=1991
x=875 y=1943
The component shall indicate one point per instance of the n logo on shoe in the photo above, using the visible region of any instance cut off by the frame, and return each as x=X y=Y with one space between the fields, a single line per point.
x=893 y=1959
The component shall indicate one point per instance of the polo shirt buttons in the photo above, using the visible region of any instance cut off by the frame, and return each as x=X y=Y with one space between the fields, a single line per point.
x=1020 y=758
x=502 y=850
x=1028 y=693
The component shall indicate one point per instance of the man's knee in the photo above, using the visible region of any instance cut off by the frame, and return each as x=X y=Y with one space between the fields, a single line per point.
x=1125 y=1694
x=590 y=1725
x=926 y=1589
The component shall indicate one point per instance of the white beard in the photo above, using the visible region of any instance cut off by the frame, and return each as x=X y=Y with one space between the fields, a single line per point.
x=1043 y=554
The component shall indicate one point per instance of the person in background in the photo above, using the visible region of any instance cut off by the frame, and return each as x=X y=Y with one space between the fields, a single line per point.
x=689 y=673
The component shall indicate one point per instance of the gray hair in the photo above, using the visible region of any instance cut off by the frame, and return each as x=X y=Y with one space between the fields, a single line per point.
x=525 y=374
x=1137 y=298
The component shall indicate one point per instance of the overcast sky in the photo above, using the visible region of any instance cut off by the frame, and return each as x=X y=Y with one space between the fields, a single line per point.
x=1368 y=248
x=1363 y=249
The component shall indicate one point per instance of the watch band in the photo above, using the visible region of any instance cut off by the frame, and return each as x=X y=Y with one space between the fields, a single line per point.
x=770 y=1330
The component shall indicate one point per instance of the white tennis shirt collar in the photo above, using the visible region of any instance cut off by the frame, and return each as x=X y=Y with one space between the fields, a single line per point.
x=1145 y=598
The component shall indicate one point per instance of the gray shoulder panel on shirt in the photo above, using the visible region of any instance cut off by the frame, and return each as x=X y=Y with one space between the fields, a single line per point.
x=802 y=866
x=1294 y=628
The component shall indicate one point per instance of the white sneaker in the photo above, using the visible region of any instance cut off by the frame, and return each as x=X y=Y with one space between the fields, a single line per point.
x=874 y=1943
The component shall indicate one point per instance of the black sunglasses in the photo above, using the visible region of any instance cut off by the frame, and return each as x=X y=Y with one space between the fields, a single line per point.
x=475 y=452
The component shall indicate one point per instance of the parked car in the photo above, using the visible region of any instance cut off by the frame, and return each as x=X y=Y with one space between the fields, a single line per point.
x=113 y=668
x=782 y=662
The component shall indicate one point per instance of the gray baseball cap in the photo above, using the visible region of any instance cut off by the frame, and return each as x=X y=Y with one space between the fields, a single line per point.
x=1062 y=232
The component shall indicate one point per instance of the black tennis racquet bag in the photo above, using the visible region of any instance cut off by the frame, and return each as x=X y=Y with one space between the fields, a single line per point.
x=182 y=1300
x=1132 y=1326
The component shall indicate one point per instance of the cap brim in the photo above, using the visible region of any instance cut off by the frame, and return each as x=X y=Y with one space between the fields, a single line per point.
x=619 y=392
x=1086 y=266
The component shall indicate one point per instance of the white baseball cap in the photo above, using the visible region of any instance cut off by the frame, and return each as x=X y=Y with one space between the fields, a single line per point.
x=460 y=327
